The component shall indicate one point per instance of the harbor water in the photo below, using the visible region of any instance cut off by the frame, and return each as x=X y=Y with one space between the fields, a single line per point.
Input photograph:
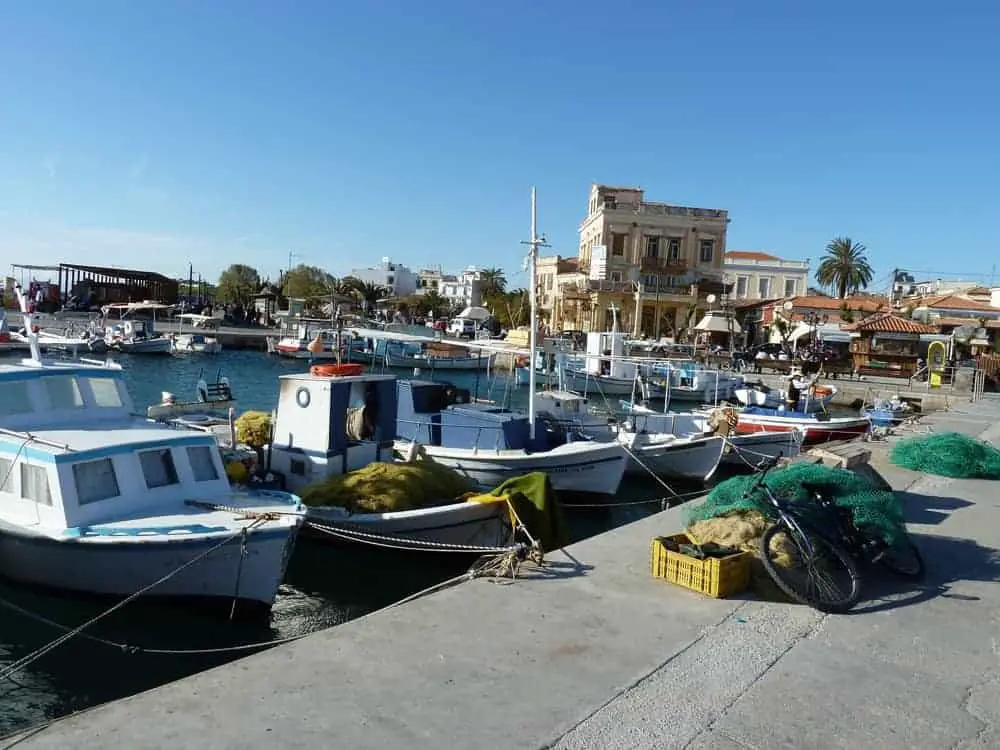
x=324 y=586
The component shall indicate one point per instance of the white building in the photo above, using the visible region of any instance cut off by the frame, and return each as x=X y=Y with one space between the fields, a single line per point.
x=762 y=276
x=400 y=279
x=464 y=289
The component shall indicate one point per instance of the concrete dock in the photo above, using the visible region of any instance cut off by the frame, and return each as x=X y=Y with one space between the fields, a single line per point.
x=591 y=652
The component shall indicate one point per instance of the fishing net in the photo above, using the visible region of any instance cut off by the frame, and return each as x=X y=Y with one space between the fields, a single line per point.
x=387 y=487
x=874 y=509
x=948 y=454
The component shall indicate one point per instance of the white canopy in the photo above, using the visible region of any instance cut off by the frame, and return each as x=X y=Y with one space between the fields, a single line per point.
x=718 y=323
x=475 y=313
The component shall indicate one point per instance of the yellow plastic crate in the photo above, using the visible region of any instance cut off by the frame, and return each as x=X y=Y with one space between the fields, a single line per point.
x=715 y=576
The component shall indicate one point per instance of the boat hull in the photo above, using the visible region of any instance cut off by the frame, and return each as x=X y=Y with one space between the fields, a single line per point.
x=816 y=431
x=121 y=568
x=474 y=524
x=583 y=466
x=584 y=382
x=748 y=450
x=695 y=459
x=438 y=363
x=149 y=346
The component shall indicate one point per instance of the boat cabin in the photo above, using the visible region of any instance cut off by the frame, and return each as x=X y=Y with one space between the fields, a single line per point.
x=71 y=472
x=326 y=426
x=604 y=355
x=438 y=414
x=132 y=330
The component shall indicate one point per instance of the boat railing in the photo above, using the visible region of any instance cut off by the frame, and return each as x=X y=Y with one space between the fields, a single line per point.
x=29 y=438
x=478 y=428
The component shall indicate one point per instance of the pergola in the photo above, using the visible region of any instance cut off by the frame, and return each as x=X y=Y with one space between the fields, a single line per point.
x=118 y=284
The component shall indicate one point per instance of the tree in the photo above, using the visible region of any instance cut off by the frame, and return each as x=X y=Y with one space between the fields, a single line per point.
x=510 y=309
x=306 y=282
x=435 y=303
x=845 y=267
x=492 y=282
x=369 y=293
x=238 y=284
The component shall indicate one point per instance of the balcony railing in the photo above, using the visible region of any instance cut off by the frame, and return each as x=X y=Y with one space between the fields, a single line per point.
x=798 y=265
x=656 y=263
x=664 y=209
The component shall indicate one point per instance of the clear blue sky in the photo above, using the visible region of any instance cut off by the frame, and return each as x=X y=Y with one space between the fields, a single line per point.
x=151 y=134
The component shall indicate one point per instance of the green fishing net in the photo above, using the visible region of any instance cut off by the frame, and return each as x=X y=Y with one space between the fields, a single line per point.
x=874 y=509
x=948 y=454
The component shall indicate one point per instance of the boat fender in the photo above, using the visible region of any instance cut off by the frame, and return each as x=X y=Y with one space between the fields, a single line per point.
x=336 y=371
x=302 y=397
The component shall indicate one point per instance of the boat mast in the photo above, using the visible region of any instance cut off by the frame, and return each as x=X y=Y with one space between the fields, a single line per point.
x=534 y=243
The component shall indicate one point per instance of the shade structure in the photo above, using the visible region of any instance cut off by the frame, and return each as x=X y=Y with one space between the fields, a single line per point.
x=718 y=323
x=475 y=313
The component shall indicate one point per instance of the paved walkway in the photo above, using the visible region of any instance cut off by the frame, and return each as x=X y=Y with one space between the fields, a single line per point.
x=593 y=653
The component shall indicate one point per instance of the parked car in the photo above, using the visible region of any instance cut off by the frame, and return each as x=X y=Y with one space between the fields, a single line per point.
x=463 y=328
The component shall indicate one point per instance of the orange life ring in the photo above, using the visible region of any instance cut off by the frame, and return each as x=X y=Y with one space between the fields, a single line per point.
x=336 y=371
x=822 y=390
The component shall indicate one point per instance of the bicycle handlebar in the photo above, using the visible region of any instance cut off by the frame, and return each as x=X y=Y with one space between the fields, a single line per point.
x=765 y=465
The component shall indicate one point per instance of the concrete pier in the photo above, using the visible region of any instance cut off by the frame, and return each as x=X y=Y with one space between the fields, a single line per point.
x=591 y=652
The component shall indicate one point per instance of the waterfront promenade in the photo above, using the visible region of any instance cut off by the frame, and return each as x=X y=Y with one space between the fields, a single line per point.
x=593 y=653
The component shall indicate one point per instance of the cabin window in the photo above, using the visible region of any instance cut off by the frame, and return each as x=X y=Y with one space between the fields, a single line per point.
x=95 y=480
x=6 y=475
x=14 y=398
x=105 y=392
x=202 y=463
x=63 y=392
x=158 y=468
x=35 y=484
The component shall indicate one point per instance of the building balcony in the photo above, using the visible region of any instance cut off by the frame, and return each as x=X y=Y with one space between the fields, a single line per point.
x=675 y=267
x=578 y=290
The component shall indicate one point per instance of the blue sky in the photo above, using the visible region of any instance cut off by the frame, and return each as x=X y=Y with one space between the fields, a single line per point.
x=153 y=134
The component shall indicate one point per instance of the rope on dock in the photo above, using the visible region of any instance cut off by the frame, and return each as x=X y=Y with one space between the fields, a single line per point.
x=20 y=664
x=663 y=501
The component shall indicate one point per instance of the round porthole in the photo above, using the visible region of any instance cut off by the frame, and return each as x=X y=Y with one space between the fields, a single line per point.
x=302 y=396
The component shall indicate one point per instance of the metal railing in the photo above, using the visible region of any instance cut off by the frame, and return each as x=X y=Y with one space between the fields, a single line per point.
x=978 y=385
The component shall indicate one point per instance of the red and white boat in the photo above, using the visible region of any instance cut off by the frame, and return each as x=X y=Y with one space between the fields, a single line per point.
x=814 y=398
x=818 y=428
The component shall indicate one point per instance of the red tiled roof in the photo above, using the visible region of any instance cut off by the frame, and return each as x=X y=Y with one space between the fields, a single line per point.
x=812 y=302
x=953 y=302
x=889 y=323
x=750 y=255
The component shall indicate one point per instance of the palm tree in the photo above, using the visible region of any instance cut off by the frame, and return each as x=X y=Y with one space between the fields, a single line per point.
x=434 y=302
x=492 y=282
x=845 y=266
x=370 y=294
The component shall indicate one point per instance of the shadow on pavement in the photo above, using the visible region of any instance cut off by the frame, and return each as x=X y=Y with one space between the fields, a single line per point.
x=928 y=509
x=948 y=560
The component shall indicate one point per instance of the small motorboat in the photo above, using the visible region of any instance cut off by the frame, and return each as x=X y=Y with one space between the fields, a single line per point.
x=819 y=427
x=815 y=398
x=887 y=412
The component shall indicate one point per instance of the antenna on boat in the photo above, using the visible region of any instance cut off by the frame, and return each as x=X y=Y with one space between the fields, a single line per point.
x=30 y=329
x=534 y=243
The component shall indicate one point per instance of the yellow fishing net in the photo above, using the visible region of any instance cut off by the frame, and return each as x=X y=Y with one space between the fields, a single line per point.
x=389 y=487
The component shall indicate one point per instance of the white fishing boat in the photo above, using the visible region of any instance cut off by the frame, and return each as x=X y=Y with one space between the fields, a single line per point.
x=490 y=444
x=198 y=342
x=329 y=426
x=678 y=447
x=98 y=501
x=605 y=369
x=312 y=340
x=687 y=383
x=811 y=396
x=418 y=357
x=742 y=450
x=128 y=333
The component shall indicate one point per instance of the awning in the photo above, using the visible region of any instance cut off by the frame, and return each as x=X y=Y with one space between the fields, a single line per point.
x=714 y=323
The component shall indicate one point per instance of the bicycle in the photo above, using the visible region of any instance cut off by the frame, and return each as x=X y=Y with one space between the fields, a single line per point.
x=837 y=540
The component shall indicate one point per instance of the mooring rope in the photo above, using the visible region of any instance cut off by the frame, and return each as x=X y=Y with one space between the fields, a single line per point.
x=19 y=664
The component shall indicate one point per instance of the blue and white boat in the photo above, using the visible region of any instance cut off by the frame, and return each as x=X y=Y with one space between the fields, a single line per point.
x=490 y=444
x=96 y=500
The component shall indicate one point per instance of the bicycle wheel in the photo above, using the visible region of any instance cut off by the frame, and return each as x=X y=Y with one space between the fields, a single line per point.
x=829 y=579
x=903 y=559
